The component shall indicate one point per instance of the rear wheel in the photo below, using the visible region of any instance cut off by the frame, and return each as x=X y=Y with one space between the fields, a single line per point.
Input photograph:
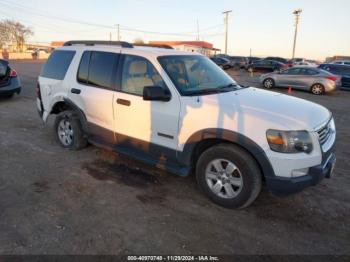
x=69 y=132
x=228 y=176
x=317 y=89
x=269 y=83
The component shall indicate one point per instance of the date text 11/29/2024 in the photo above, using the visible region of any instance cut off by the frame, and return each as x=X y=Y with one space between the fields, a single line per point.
x=173 y=258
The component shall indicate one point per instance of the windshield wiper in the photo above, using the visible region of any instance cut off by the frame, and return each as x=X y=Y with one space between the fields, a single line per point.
x=228 y=86
x=221 y=89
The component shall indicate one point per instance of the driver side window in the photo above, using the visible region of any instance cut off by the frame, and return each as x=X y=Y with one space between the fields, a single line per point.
x=137 y=73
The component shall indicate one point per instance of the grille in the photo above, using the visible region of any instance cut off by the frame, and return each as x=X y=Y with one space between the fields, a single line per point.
x=324 y=133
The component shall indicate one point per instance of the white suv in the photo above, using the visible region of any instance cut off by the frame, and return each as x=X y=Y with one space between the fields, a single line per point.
x=181 y=112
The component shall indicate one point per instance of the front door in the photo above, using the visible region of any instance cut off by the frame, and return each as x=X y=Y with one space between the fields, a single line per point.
x=289 y=78
x=146 y=127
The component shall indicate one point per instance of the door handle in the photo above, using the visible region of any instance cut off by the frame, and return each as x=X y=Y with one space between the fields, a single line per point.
x=75 y=91
x=123 y=102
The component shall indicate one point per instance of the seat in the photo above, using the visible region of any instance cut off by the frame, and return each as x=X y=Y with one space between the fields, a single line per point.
x=137 y=77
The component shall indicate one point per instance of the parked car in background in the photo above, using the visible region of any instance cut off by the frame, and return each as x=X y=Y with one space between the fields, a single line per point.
x=266 y=65
x=239 y=62
x=252 y=59
x=315 y=80
x=279 y=59
x=305 y=63
x=297 y=60
x=342 y=62
x=222 y=62
x=9 y=81
x=341 y=70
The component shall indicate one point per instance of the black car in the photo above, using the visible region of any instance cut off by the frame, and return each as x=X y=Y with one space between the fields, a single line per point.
x=266 y=65
x=340 y=70
x=9 y=81
x=253 y=59
x=222 y=62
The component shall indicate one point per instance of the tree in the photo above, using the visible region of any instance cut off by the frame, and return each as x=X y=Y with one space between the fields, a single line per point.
x=14 y=32
x=139 y=41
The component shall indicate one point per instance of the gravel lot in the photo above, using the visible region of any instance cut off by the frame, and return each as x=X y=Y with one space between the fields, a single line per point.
x=53 y=201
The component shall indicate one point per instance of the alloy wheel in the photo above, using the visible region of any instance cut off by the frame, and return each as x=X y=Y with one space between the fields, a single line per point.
x=224 y=178
x=317 y=89
x=65 y=132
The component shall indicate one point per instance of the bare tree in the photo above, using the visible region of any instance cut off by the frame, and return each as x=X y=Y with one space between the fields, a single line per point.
x=14 y=32
x=5 y=36
x=139 y=41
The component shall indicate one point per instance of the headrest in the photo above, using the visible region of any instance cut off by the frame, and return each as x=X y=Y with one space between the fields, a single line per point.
x=138 y=68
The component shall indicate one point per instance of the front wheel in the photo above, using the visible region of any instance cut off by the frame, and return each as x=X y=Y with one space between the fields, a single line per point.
x=69 y=132
x=317 y=89
x=229 y=176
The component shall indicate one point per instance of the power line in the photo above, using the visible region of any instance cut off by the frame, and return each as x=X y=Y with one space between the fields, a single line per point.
x=27 y=9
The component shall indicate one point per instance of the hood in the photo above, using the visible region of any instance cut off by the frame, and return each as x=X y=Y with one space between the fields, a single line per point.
x=283 y=111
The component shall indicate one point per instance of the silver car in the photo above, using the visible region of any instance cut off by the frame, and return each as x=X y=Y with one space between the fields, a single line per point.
x=315 y=80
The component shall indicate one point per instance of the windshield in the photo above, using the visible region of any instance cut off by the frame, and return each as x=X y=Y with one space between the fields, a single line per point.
x=197 y=75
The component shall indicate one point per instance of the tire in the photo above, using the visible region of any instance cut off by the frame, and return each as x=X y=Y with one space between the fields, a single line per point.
x=269 y=83
x=69 y=132
x=317 y=89
x=245 y=181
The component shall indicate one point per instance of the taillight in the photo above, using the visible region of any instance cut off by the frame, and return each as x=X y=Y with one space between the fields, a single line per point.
x=13 y=73
x=38 y=92
x=333 y=78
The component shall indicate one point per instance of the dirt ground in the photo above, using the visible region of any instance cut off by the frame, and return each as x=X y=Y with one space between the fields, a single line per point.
x=54 y=201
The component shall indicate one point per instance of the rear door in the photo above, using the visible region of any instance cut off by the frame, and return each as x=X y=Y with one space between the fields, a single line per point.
x=93 y=92
x=308 y=77
x=345 y=73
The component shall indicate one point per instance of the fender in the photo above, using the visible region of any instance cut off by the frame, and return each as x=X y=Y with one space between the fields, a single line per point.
x=186 y=156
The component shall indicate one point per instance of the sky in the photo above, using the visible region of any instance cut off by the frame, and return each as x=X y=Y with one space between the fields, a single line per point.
x=264 y=26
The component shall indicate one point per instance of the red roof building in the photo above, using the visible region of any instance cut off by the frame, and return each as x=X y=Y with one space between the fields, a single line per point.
x=202 y=47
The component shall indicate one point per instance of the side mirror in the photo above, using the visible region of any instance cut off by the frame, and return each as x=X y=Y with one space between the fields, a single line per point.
x=156 y=93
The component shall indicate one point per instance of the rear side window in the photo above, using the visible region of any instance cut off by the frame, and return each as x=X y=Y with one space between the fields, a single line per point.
x=57 y=65
x=98 y=69
x=307 y=71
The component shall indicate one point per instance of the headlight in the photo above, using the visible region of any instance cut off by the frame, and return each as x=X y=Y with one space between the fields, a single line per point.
x=289 y=141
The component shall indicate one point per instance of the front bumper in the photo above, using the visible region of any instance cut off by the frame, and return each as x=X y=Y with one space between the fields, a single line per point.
x=286 y=186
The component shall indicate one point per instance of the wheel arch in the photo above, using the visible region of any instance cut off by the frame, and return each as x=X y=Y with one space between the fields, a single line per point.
x=204 y=139
x=67 y=104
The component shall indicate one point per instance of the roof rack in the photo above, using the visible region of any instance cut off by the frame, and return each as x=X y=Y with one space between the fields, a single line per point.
x=153 y=45
x=93 y=42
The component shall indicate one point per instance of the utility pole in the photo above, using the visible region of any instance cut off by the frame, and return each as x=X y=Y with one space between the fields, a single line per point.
x=110 y=36
x=197 y=30
x=118 y=32
x=296 y=13
x=226 y=13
